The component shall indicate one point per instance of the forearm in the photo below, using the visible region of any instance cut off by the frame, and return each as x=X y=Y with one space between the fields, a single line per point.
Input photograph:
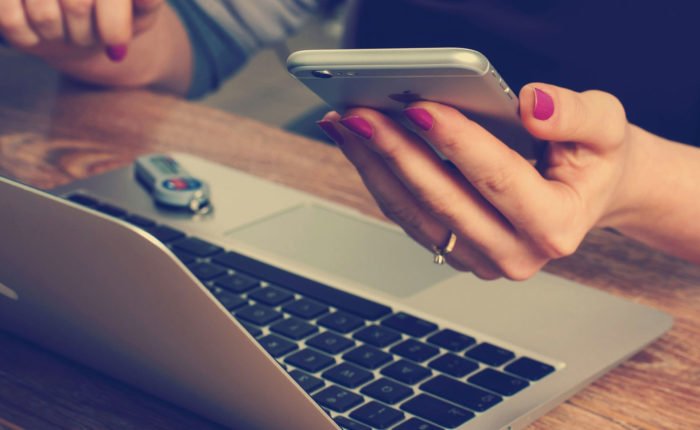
x=663 y=182
x=160 y=58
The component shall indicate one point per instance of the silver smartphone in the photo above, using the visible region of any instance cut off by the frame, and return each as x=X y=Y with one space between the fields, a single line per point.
x=389 y=79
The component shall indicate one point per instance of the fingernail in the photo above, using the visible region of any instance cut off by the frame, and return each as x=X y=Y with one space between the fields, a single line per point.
x=420 y=117
x=330 y=131
x=544 y=105
x=358 y=126
x=116 y=53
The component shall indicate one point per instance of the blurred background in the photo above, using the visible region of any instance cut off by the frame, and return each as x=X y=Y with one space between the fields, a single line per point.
x=265 y=91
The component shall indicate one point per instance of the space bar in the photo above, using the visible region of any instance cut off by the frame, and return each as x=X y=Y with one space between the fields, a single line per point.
x=306 y=287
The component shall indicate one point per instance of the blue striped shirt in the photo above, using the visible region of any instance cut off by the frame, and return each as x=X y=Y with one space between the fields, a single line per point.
x=225 y=33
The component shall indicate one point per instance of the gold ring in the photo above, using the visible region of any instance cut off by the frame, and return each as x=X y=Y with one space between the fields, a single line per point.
x=441 y=252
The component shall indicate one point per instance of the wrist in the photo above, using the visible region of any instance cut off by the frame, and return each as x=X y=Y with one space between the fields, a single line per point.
x=635 y=193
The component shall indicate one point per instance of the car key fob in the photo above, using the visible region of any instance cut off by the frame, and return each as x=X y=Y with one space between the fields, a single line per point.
x=171 y=185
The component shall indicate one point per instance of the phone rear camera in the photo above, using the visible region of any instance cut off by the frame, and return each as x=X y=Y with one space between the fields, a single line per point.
x=324 y=74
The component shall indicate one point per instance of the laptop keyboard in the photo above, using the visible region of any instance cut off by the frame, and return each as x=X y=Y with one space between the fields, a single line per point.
x=368 y=365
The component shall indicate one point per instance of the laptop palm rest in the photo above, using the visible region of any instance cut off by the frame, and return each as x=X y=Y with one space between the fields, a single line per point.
x=359 y=250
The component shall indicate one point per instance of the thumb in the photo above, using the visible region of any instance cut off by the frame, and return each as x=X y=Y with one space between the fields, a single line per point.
x=593 y=118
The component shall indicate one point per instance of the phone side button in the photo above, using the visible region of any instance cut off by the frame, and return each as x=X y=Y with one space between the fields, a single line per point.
x=508 y=92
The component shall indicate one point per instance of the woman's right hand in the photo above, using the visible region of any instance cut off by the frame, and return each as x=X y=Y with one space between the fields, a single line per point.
x=76 y=29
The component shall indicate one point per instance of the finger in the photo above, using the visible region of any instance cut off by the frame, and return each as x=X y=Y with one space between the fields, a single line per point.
x=399 y=205
x=78 y=15
x=14 y=25
x=45 y=18
x=507 y=180
x=114 y=26
x=434 y=186
x=446 y=195
x=114 y=21
x=594 y=118
x=393 y=198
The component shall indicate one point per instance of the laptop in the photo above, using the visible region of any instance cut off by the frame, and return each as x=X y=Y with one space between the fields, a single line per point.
x=280 y=310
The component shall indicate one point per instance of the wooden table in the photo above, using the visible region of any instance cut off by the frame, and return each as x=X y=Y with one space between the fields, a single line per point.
x=49 y=137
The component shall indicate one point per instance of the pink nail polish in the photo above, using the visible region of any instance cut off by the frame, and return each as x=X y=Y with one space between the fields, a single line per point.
x=329 y=129
x=544 y=105
x=358 y=126
x=116 y=53
x=420 y=117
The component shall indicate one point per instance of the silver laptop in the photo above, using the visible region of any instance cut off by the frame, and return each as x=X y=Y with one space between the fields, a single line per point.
x=279 y=310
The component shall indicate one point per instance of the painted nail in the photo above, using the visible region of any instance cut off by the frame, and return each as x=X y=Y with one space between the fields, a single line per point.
x=420 y=117
x=331 y=132
x=544 y=105
x=358 y=126
x=116 y=53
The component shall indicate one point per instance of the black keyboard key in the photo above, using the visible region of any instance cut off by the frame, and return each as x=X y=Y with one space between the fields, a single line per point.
x=140 y=221
x=528 y=368
x=307 y=382
x=237 y=283
x=416 y=424
x=415 y=350
x=185 y=257
x=83 y=200
x=347 y=375
x=270 y=296
x=498 y=382
x=253 y=330
x=305 y=308
x=341 y=322
x=377 y=415
x=437 y=411
x=490 y=354
x=378 y=335
x=450 y=339
x=258 y=314
x=198 y=247
x=348 y=424
x=337 y=399
x=110 y=210
x=294 y=328
x=277 y=346
x=409 y=324
x=454 y=365
x=406 y=372
x=310 y=360
x=330 y=342
x=306 y=287
x=368 y=357
x=206 y=271
x=460 y=393
x=387 y=391
x=229 y=301
x=165 y=234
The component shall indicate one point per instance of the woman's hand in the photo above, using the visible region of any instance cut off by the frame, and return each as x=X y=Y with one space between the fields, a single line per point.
x=74 y=29
x=510 y=217
x=89 y=40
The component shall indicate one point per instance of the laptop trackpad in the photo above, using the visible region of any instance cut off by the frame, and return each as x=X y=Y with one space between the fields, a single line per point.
x=345 y=246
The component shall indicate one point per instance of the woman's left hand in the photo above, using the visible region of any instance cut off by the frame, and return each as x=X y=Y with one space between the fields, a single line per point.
x=510 y=217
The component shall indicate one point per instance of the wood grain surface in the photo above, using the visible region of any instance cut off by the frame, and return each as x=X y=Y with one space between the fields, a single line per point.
x=52 y=132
